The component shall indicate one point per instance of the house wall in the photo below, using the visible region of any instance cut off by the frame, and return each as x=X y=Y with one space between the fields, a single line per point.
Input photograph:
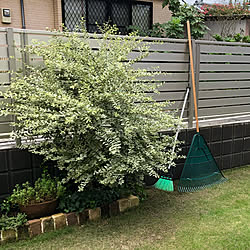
x=159 y=15
x=39 y=15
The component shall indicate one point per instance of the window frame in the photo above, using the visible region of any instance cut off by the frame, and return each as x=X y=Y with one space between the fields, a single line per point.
x=131 y=3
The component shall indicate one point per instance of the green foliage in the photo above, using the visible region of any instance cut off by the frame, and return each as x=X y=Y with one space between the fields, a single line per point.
x=157 y=30
x=139 y=31
x=236 y=38
x=246 y=39
x=173 y=5
x=217 y=37
x=45 y=189
x=187 y=12
x=92 y=198
x=90 y=110
x=13 y=222
x=171 y=29
x=196 y=19
x=174 y=28
x=99 y=195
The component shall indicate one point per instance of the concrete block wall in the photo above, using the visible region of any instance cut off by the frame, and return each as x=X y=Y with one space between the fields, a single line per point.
x=229 y=144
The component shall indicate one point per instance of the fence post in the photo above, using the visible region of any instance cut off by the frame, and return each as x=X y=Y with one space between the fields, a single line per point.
x=11 y=53
x=25 y=56
x=12 y=65
x=196 y=59
x=191 y=96
x=197 y=73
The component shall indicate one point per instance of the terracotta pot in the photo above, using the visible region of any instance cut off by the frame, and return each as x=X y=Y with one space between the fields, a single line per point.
x=38 y=210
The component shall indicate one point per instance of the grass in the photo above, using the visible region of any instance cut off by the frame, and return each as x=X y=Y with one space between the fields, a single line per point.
x=215 y=218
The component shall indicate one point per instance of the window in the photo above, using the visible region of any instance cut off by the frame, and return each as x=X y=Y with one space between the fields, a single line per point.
x=120 y=12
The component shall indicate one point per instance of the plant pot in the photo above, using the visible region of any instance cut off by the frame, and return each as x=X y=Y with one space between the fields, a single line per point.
x=38 y=210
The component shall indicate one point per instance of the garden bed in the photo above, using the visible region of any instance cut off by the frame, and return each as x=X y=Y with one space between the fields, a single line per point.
x=215 y=218
x=57 y=221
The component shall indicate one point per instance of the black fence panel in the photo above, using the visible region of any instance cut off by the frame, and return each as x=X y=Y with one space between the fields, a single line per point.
x=229 y=144
x=122 y=13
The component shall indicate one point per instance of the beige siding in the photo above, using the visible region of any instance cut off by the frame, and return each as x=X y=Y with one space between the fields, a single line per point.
x=14 y=5
x=159 y=15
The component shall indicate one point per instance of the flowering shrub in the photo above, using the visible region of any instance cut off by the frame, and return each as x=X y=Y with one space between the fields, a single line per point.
x=91 y=109
x=225 y=9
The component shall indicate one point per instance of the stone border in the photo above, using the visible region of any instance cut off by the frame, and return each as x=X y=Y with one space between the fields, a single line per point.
x=57 y=221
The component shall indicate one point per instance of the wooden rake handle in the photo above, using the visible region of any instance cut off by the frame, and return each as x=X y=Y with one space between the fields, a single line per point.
x=192 y=75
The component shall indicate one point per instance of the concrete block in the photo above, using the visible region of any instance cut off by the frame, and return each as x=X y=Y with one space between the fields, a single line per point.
x=23 y=232
x=134 y=201
x=94 y=214
x=47 y=224
x=82 y=217
x=8 y=235
x=59 y=220
x=114 y=208
x=124 y=204
x=34 y=227
x=71 y=219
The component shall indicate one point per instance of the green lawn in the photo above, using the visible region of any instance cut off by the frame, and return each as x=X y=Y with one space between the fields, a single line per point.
x=215 y=218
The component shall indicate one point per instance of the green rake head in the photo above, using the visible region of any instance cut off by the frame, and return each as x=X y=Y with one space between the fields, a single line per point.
x=165 y=184
x=200 y=170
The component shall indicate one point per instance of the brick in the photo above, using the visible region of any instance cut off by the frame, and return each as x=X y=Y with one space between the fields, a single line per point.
x=105 y=210
x=134 y=201
x=71 y=219
x=124 y=204
x=23 y=232
x=34 y=227
x=94 y=214
x=114 y=208
x=82 y=217
x=47 y=224
x=59 y=220
x=8 y=235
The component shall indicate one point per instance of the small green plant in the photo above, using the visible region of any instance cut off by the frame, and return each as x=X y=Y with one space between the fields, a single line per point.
x=236 y=38
x=92 y=198
x=138 y=30
x=187 y=12
x=45 y=189
x=13 y=222
x=174 y=28
x=217 y=37
x=246 y=39
x=171 y=29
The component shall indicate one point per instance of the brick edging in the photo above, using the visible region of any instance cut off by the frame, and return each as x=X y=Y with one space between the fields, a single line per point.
x=57 y=221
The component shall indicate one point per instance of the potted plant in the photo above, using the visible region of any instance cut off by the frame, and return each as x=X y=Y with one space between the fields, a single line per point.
x=38 y=200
